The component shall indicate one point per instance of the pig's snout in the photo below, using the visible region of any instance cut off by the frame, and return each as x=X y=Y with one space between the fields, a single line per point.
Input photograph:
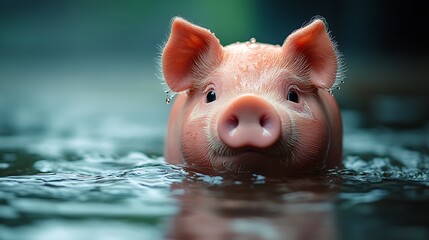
x=249 y=121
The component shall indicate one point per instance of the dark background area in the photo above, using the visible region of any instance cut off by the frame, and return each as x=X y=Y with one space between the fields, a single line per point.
x=63 y=63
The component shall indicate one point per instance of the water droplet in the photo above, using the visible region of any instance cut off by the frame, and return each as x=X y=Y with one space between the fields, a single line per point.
x=243 y=67
x=237 y=79
x=256 y=64
x=170 y=96
x=338 y=88
x=252 y=44
x=342 y=81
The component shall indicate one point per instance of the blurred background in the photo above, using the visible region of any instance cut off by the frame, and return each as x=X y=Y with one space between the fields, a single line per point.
x=90 y=68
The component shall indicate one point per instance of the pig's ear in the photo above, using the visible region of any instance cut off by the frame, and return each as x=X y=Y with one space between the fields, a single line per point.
x=190 y=53
x=311 y=49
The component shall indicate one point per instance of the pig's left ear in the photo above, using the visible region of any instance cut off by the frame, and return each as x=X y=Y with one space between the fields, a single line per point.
x=313 y=44
x=190 y=53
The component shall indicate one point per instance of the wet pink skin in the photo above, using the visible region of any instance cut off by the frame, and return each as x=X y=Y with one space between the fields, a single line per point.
x=272 y=114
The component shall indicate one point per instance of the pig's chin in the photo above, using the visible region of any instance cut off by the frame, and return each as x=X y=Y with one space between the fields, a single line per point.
x=249 y=161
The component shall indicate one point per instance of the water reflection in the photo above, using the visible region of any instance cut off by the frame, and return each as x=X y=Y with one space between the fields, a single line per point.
x=245 y=209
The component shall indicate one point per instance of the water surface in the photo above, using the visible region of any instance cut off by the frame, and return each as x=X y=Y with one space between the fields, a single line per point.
x=101 y=185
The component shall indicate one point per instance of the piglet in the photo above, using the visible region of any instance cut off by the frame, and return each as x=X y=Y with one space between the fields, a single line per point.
x=252 y=107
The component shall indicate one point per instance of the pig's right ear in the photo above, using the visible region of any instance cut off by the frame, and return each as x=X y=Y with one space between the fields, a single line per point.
x=190 y=53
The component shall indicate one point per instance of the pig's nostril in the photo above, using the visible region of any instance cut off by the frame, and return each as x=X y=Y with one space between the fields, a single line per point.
x=263 y=121
x=232 y=123
x=267 y=125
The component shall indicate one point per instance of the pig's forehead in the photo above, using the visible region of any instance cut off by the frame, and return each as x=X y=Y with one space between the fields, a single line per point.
x=248 y=49
x=252 y=56
x=251 y=53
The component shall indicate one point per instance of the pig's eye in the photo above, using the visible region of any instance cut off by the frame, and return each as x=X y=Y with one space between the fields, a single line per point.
x=211 y=96
x=292 y=95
